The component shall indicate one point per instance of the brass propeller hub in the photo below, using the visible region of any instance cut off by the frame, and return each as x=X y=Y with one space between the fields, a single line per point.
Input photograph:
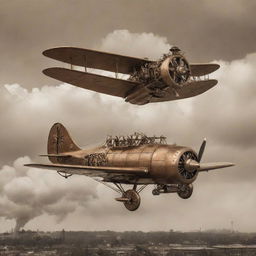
x=191 y=165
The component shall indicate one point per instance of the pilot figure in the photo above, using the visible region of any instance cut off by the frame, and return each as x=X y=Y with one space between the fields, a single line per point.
x=175 y=50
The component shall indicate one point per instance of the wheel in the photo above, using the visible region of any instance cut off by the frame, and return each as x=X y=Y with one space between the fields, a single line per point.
x=185 y=191
x=155 y=192
x=134 y=200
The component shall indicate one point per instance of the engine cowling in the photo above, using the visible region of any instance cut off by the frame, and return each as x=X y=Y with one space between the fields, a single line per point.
x=186 y=166
x=174 y=165
x=175 y=71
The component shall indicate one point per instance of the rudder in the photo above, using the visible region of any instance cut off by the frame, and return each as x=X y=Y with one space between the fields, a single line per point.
x=59 y=141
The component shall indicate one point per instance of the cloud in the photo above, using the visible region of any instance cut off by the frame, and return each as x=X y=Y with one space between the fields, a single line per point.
x=140 y=45
x=225 y=115
x=229 y=116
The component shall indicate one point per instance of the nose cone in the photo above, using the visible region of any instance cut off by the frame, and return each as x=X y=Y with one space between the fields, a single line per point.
x=191 y=165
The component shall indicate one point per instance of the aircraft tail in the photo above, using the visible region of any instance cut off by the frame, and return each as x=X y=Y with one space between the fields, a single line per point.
x=59 y=141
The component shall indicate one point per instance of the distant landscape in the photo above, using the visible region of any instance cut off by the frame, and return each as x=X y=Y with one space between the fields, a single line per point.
x=215 y=242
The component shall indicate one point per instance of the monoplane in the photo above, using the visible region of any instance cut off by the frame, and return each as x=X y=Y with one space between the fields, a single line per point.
x=136 y=160
x=171 y=77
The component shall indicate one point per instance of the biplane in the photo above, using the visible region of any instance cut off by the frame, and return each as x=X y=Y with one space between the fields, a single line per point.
x=137 y=160
x=169 y=78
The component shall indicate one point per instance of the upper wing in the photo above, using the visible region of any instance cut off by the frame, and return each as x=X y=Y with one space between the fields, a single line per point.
x=97 y=83
x=95 y=59
x=203 y=69
x=189 y=90
x=108 y=173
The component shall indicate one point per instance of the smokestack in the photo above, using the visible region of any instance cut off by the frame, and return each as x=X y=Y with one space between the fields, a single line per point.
x=20 y=223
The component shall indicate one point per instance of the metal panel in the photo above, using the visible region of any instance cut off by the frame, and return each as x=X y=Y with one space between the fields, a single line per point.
x=95 y=59
x=203 y=69
x=97 y=83
x=146 y=156
x=132 y=159
x=119 y=158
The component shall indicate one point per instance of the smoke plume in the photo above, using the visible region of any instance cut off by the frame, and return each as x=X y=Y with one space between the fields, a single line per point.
x=27 y=193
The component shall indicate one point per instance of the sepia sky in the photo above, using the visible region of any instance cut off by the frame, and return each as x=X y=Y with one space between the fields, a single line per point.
x=207 y=31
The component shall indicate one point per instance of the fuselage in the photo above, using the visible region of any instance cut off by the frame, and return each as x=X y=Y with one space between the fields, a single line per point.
x=165 y=163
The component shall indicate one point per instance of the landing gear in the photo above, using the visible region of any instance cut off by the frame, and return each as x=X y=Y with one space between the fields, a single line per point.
x=130 y=198
x=163 y=189
x=183 y=190
x=155 y=192
x=133 y=201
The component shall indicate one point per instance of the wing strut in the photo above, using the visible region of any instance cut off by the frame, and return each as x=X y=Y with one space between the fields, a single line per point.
x=64 y=174
x=107 y=185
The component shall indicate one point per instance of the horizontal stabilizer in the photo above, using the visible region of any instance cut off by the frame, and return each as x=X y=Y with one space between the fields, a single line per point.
x=92 y=171
x=203 y=69
x=55 y=155
x=212 y=166
x=97 y=83
x=95 y=59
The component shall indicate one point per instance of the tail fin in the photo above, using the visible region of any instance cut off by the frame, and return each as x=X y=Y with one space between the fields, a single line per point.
x=59 y=141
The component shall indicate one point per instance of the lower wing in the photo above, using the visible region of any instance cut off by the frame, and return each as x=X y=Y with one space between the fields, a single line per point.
x=94 y=82
x=107 y=173
x=191 y=89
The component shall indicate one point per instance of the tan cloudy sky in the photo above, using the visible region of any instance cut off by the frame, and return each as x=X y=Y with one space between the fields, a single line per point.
x=30 y=103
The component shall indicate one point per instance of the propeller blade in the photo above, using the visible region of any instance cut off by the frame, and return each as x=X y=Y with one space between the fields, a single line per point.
x=201 y=150
x=192 y=165
x=212 y=166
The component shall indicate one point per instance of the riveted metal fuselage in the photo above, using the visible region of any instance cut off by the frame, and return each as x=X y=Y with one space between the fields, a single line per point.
x=160 y=160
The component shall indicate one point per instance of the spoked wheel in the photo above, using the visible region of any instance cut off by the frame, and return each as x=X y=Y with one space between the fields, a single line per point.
x=185 y=191
x=133 y=201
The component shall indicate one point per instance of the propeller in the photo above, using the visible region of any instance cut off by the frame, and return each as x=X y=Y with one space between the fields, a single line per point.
x=201 y=150
x=189 y=163
x=179 y=69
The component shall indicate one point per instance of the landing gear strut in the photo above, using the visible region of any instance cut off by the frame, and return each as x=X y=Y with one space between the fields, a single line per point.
x=183 y=190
